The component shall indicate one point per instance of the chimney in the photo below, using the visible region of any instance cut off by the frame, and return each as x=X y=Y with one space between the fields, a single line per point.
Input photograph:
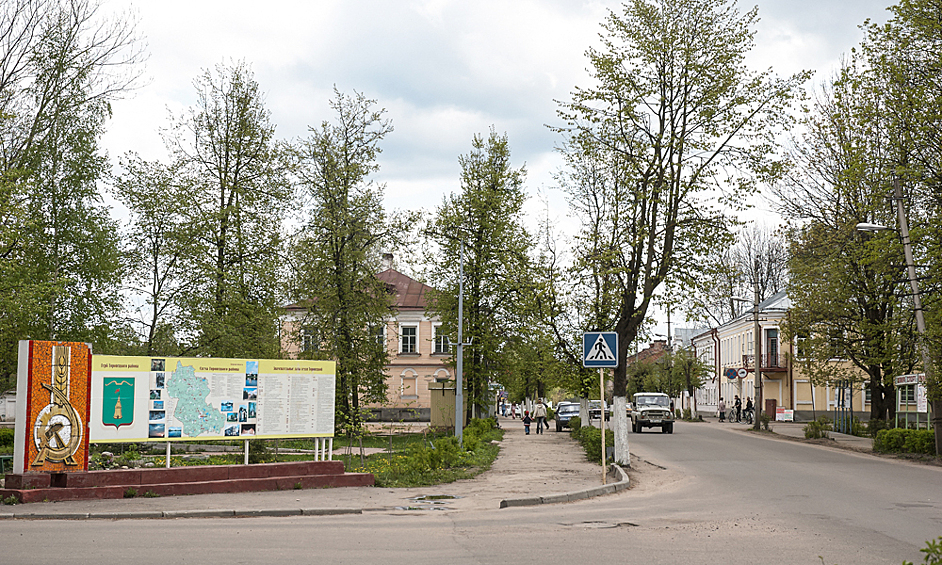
x=387 y=261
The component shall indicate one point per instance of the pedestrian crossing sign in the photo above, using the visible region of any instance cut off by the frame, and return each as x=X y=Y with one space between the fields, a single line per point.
x=600 y=349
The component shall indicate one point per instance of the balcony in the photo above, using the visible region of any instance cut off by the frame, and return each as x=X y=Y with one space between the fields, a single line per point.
x=768 y=363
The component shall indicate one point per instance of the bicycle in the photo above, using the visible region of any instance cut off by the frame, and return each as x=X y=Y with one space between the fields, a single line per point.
x=747 y=416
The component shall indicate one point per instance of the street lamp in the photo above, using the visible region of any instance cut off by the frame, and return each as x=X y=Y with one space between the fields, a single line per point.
x=917 y=296
x=459 y=393
x=757 y=354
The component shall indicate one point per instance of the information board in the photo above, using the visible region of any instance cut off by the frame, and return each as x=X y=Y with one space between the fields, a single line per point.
x=177 y=399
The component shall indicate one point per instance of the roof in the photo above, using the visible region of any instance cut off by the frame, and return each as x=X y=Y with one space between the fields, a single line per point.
x=410 y=293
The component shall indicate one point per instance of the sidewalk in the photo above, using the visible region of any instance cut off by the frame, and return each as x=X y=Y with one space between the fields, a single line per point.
x=529 y=466
x=796 y=430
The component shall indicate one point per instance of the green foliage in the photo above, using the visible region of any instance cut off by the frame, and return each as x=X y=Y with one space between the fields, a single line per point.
x=484 y=223
x=151 y=494
x=338 y=254
x=236 y=197
x=817 y=429
x=6 y=437
x=60 y=269
x=590 y=438
x=764 y=421
x=422 y=464
x=636 y=174
x=11 y=500
x=874 y=425
x=687 y=415
x=857 y=428
x=574 y=424
x=933 y=551
x=900 y=440
x=130 y=492
x=260 y=452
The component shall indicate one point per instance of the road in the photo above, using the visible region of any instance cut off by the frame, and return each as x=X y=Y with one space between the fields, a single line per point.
x=705 y=494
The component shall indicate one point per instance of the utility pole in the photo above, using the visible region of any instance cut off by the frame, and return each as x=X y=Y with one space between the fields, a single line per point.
x=459 y=393
x=758 y=355
x=917 y=308
x=931 y=381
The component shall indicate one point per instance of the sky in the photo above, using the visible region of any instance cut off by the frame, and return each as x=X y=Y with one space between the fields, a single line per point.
x=444 y=70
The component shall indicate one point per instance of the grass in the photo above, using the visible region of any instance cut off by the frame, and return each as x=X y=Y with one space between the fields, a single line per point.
x=416 y=459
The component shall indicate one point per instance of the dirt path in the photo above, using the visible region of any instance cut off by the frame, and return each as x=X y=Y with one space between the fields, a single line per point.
x=528 y=465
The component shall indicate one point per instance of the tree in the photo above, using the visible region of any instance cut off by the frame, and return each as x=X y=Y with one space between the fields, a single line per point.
x=158 y=243
x=847 y=289
x=691 y=373
x=238 y=198
x=904 y=53
x=886 y=111
x=486 y=218
x=337 y=254
x=759 y=258
x=61 y=63
x=674 y=121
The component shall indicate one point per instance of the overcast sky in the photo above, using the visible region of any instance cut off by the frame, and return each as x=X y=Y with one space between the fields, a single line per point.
x=444 y=70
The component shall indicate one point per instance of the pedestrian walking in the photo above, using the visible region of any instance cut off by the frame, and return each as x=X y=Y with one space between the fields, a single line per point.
x=722 y=408
x=527 y=421
x=539 y=413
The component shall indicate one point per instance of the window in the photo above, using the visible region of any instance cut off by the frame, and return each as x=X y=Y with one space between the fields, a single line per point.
x=442 y=345
x=408 y=337
x=379 y=333
x=801 y=349
x=309 y=340
x=907 y=395
x=407 y=388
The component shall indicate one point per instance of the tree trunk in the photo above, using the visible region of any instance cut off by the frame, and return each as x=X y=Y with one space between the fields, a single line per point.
x=584 y=411
x=936 y=407
x=620 y=429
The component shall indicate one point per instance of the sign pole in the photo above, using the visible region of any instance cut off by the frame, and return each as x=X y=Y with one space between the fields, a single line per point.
x=602 y=424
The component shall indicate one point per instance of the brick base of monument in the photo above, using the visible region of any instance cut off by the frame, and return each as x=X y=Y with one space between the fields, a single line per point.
x=38 y=487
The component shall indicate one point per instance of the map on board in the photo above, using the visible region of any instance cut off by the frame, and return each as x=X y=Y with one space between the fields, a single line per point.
x=196 y=416
x=210 y=398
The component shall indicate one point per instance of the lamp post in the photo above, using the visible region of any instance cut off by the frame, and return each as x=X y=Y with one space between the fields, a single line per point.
x=459 y=393
x=757 y=354
x=917 y=298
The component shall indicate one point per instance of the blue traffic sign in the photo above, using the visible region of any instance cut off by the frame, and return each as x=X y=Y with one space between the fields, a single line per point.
x=600 y=349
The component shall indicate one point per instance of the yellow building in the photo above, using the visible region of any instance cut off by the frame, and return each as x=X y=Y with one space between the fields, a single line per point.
x=730 y=349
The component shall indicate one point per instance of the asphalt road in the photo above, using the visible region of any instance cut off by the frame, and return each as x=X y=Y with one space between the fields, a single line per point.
x=704 y=494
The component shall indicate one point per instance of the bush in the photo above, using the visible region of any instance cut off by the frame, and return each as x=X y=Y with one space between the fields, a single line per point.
x=857 y=428
x=875 y=425
x=688 y=415
x=6 y=437
x=575 y=423
x=591 y=440
x=550 y=413
x=899 y=440
x=933 y=551
x=817 y=429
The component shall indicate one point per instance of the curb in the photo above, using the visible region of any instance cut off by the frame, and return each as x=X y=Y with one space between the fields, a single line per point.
x=583 y=494
x=244 y=513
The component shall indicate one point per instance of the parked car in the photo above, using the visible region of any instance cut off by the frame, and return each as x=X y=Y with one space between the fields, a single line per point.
x=565 y=411
x=652 y=409
x=595 y=410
